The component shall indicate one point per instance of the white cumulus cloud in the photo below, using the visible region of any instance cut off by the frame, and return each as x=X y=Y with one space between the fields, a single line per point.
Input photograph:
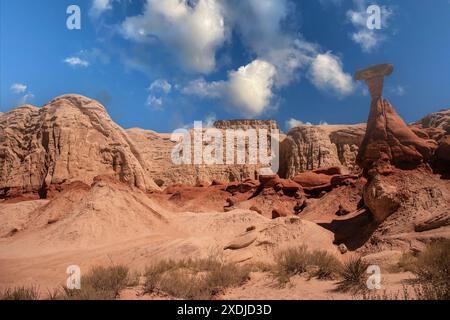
x=326 y=73
x=100 y=6
x=368 y=39
x=24 y=99
x=162 y=85
x=18 y=88
x=193 y=33
x=76 y=62
x=249 y=90
x=292 y=123
x=159 y=89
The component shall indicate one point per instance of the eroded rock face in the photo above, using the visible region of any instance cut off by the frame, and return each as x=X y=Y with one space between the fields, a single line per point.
x=381 y=197
x=389 y=140
x=414 y=207
x=156 y=148
x=311 y=147
x=72 y=138
x=437 y=120
x=437 y=127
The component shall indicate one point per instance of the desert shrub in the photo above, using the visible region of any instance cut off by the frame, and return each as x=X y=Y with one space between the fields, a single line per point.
x=290 y=262
x=193 y=278
x=433 y=272
x=328 y=265
x=55 y=294
x=354 y=276
x=20 y=293
x=101 y=283
x=407 y=262
x=260 y=266
x=297 y=260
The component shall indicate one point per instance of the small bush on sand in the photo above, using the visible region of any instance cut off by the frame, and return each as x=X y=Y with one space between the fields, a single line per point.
x=193 y=278
x=354 y=276
x=297 y=260
x=290 y=262
x=101 y=283
x=328 y=265
x=407 y=262
x=433 y=272
x=20 y=293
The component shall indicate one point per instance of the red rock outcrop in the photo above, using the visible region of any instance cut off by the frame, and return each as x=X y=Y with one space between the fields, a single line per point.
x=389 y=140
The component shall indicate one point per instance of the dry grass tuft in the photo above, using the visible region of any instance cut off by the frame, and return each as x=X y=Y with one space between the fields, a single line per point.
x=195 y=279
x=298 y=260
x=21 y=293
x=433 y=272
x=101 y=283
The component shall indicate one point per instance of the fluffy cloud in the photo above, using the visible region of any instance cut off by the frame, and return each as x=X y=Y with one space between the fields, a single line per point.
x=76 y=62
x=261 y=25
x=194 y=30
x=158 y=90
x=248 y=90
x=161 y=85
x=326 y=74
x=193 y=33
x=100 y=6
x=250 y=87
x=24 y=99
x=18 y=88
x=292 y=123
x=368 y=39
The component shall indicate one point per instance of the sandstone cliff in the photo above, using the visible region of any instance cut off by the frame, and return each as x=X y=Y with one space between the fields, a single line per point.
x=72 y=138
x=311 y=147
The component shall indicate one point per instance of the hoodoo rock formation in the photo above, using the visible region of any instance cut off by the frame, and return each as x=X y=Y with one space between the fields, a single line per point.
x=391 y=155
x=388 y=140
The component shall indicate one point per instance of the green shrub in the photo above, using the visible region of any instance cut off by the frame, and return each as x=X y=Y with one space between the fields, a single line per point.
x=354 y=276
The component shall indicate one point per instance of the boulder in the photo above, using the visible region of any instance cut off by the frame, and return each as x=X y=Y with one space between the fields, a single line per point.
x=330 y=171
x=343 y=180
x=441 y=220
x=381 y=197
x=280 y=212
x=311 y=179
x=443 y=150
x=343 y=248
x=269 y=181
x=242 y=241
x=256 y=209
x=343 y=210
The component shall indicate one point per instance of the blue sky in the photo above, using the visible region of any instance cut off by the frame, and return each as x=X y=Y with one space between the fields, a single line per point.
x=161 y=65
